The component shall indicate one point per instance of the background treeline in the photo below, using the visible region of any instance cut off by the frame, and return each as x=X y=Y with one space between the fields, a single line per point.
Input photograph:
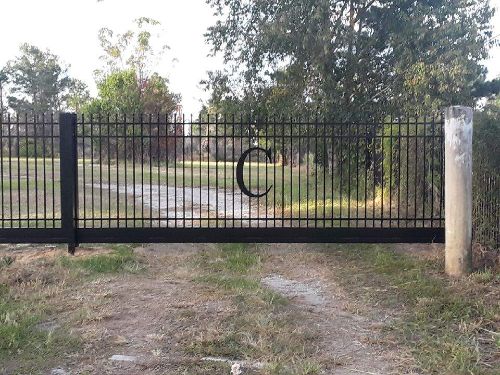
x=36 y=81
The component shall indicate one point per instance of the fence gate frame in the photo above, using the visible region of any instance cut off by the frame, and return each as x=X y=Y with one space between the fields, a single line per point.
x=73 y=234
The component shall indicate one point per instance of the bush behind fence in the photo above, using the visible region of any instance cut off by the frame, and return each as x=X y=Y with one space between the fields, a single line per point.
x=486 y=208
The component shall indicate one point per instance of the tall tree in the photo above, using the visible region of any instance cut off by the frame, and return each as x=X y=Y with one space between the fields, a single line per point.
x=78 y=96
x=38 y=81
x=118 y=92
x=128 y=82
x=139 y=49
x=344 y=56
x=3 y=83
x=156 y=96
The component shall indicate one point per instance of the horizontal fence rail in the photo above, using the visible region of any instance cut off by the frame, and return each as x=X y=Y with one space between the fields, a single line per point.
x=153 y=178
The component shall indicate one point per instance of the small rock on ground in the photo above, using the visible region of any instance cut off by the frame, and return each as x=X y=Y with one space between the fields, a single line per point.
x=120 y=357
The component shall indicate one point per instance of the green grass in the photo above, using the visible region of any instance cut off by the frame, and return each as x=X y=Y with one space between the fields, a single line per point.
x=6 y=261
x=445 y=324
x=261 y=327
x=230 y=282
x=288 y=196
x=121 y=259
x=229 y=268
x=22 y=339
x=35 y=322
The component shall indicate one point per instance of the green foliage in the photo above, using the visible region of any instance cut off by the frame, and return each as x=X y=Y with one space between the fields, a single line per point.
x=341 y=56
x=6 y=261
x=487 y=138
x=19 y=334
x=38 y=82
x=132 y=50
x=30 y=149
x=156 y=96
x=442 y=325
x=127 y=83
x=411 y=163
x=3 y=83
x=121 y=259
x=78 y=96
x=486 y=174
x=118 y=93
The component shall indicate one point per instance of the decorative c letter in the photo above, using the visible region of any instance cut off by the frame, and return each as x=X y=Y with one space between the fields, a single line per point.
x=239 y=171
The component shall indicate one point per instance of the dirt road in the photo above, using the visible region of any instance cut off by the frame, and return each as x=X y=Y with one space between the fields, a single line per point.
x=197 y=309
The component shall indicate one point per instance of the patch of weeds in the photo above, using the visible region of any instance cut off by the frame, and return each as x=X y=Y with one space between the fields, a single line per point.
x=234 y=258
x=484 y=277
x=229 y=282
x=300 y=368
x=203 y=368
x=4 y=290
x=121 y=259
x=228 y=345
x=6 y=261
x=443 y=321
x=23 y=345
x=239 y=259
x=310 y=368
x=270 y=297
x=260 y=326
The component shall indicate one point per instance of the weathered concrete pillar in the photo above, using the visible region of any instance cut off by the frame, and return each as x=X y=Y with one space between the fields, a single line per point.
x=458 y=190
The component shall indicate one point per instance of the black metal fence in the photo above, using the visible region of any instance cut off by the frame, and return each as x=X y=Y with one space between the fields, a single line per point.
x=486 y=208
x=30 y=173
x=221 y=178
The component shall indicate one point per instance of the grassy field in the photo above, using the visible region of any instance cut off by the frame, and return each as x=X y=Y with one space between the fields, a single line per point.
x=31 y=192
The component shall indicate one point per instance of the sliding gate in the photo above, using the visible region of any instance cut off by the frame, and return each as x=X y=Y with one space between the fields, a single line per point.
x=153 y=178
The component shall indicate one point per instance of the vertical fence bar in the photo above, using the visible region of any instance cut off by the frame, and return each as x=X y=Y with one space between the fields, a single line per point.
x=399 y=172
x=390 y=169
x=349 y=147
x=216 y=170
x=26 y=139
x=150 y=160
x=53 y=169
x=117 y=166
x=341 y=141
x=84 y=170
x=232 y=164
x=191 y=170
x=125 y=157
x=68 y=170
x=9 y=161
x=44 y=173
x=2 y=183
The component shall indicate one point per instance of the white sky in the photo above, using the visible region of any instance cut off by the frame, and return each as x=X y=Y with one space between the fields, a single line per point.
x=69 y=29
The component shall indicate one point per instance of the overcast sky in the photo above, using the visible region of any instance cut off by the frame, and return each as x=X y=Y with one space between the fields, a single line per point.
x=69 y=29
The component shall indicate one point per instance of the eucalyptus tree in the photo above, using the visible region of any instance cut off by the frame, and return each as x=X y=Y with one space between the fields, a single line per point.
x=138 y=49
x=128 y=84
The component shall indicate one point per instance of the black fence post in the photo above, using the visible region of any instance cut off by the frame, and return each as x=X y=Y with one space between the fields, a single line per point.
x=69 y=175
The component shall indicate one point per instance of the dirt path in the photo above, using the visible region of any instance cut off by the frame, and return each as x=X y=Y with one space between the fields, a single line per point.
x=188 y=202
x=143 y=323
x=349 y=329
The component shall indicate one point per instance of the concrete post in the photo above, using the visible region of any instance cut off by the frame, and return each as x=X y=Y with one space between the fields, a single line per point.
x=458 y=190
